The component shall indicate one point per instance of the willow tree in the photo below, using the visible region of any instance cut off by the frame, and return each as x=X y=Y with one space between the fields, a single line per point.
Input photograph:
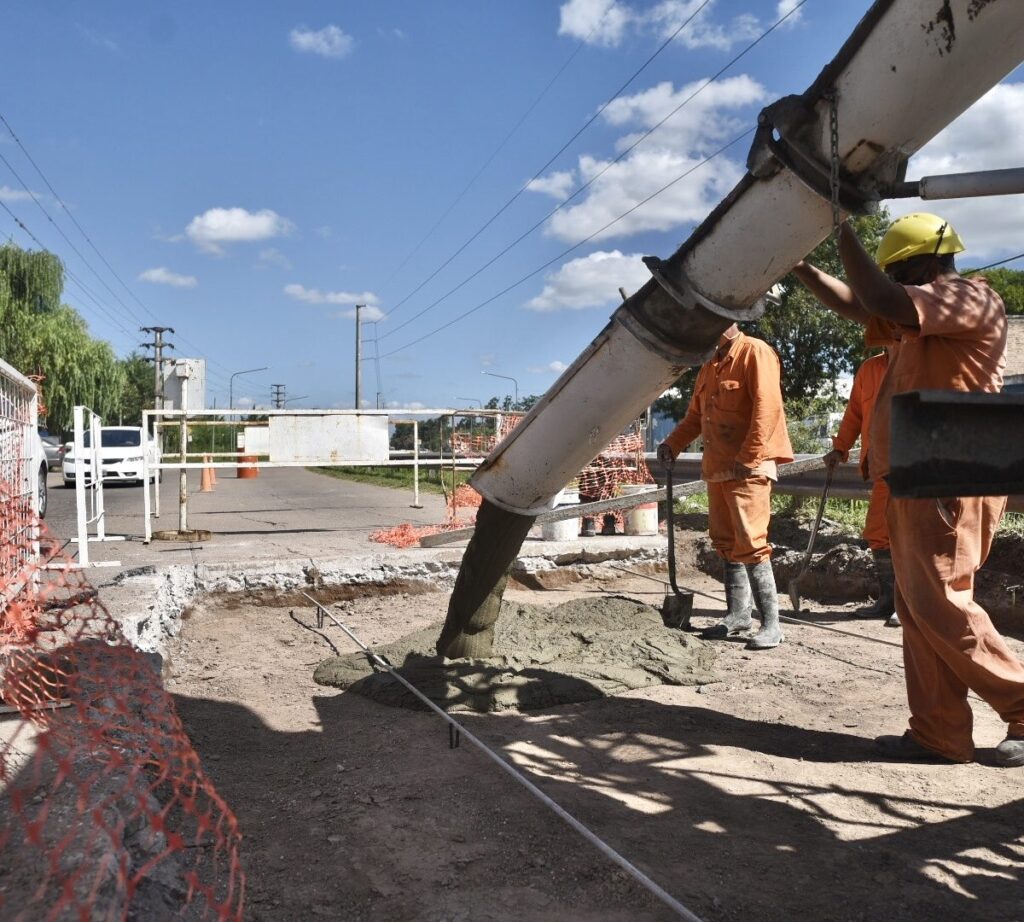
x=39 y=335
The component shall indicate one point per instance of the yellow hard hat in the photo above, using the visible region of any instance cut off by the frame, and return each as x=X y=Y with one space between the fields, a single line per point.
x=918 y=234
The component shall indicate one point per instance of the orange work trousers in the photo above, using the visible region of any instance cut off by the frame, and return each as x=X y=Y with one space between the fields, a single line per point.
x=949 y=643
x=738 y=514
x=876 y=529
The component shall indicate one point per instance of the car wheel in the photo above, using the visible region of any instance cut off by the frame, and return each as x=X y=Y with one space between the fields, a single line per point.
x=43 y=494
x=68 y=484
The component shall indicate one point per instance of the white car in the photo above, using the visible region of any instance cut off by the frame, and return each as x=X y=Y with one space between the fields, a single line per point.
x=36 y=458
x=121 y=450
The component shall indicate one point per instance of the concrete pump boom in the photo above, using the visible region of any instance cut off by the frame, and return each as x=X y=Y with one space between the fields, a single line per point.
x=909 y=68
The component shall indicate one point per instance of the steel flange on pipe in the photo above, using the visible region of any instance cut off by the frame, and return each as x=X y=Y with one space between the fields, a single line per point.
x=909 y=68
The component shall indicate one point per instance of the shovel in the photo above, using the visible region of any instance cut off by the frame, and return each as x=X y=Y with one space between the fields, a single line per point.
x=794 y=584
x=678 y=607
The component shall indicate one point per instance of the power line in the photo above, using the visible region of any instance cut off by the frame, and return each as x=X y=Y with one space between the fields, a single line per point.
x=582 y=42
x=88 y=239
x=135 y=317
x=575 y=246
x=112 y=319
x=555 y=156
x=597 y=175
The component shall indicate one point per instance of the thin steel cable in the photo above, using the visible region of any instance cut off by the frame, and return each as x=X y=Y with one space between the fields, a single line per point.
x=565 y=252
x=580 y=45
x=111 y=318
x=1009 y=259
x=554 y=157
x=517 y=776
x=643 y=137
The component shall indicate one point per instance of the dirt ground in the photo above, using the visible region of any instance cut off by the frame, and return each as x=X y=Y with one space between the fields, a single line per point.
x=755 y=797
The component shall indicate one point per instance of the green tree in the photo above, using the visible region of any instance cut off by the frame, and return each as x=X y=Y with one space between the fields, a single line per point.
x=1009 y=283
x=137 y=394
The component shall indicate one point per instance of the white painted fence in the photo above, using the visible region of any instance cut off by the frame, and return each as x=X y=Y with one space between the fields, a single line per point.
x=19 y=482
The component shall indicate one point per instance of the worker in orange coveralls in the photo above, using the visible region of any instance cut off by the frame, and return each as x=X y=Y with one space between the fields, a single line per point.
x=737 y=409
x=952 y=336
x=857 y=422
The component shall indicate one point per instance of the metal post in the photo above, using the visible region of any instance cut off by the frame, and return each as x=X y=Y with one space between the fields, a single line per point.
x=183 y=479
x=147 y=505
x=359 y=351
x=416 y=465
x=83 y=528
x=99 y=509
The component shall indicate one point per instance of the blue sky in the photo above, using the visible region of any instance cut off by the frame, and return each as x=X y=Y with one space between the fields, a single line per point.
x=253 y=170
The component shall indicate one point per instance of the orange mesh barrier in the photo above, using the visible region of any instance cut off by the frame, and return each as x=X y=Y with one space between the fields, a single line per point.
x=622 y=462
x=105 y=811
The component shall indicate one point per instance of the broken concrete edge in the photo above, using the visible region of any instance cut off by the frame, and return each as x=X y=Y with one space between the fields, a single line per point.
x=157 y=598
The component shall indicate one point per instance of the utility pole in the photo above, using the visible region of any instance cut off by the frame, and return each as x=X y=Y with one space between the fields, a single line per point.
x=158 y=345
x=277 y=395
x=359 y=351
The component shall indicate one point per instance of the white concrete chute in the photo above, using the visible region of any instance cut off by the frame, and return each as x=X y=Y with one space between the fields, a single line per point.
x=908 y=70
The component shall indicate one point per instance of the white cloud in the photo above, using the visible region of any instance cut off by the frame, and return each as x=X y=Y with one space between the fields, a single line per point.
x=785 y=7
x=316 y=296
x=487 y=360
x=162 y=276
x=95 y=38
x=273 y=257
x=676 y=148
x=397 y=405
x=558 y=184
x=986 y=137
x=328 y=42
x=370 y=314
x=7 y=194
x=218 y=226
x=597 y=22
x=556 y=367
x=591 y=281
x=608 y=23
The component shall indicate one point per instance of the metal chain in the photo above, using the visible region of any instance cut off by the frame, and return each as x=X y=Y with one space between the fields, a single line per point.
x=833 y=179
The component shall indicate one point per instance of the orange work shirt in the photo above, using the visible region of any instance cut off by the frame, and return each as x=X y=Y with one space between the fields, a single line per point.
x=960 y=346
x=737 y=408
x=859 y=409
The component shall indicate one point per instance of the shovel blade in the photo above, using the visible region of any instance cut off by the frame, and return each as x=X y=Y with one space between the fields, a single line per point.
x=676 y=610
x=794 y=594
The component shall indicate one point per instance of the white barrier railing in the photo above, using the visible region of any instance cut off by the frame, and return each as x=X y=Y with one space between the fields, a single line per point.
x=19 y=482
x=294 y=438
x=89 y=505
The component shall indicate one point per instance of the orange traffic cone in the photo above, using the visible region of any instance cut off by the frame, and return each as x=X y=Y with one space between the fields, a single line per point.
x=206 y=484
x=213 y=470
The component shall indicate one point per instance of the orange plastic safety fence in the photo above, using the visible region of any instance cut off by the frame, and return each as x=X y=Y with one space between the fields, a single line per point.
x=622 y=462
x=106 y=812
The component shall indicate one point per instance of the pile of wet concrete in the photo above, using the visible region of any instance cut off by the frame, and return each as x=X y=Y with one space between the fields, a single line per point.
x=543 y=656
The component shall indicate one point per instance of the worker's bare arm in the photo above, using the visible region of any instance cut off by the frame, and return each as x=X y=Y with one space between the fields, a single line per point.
x=836 y=295
x=877 y=293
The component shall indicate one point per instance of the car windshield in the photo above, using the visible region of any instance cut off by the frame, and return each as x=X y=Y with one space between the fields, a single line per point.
x=117 y=438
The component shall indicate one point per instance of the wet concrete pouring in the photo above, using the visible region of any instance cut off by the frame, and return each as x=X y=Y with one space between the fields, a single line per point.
x=744 y=783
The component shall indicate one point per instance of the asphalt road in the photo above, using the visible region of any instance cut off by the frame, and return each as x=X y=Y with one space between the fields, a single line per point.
x=284 y=513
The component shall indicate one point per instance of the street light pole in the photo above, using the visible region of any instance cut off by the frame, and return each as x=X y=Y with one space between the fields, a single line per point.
x=231 y=383
x=515 y=383
x=475 y=400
